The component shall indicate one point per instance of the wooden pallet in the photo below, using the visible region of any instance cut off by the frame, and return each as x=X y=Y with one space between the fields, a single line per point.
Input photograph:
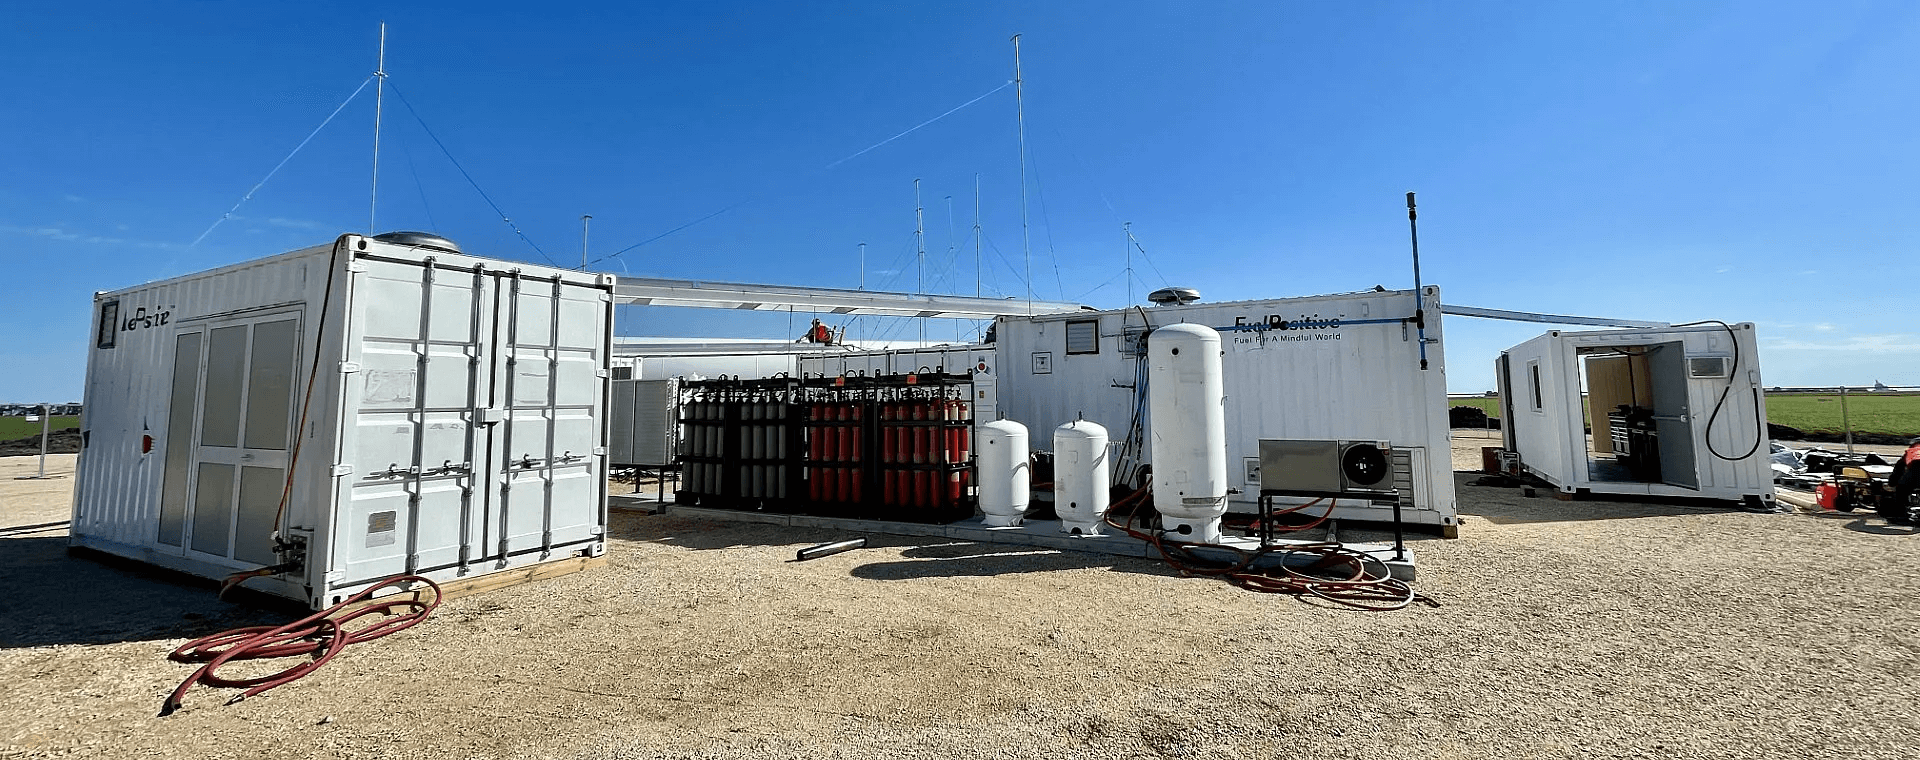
x=480 y=584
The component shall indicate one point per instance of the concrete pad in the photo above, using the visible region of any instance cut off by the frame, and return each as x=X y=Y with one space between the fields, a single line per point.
x=1046 y=533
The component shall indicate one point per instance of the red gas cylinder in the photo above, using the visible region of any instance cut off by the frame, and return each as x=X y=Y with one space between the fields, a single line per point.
x=853 y=485
x=889 y=486
x=953 y=488
x=843 y=443
x=813 y=484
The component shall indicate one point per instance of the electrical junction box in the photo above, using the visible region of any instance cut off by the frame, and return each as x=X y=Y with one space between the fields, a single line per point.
x=1352 y=469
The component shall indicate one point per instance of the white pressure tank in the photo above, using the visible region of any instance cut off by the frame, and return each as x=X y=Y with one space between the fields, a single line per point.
x=1186 y=398
x=1004 y=472
x=1080 y=477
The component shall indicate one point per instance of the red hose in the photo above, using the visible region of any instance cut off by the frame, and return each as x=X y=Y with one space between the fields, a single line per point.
x=320 y=633
x=1361 y=587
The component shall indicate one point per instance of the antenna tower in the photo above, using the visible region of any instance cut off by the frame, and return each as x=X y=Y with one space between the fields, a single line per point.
x=379 y=98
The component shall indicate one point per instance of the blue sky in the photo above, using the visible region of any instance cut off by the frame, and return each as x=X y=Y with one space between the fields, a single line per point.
x=1743 y=161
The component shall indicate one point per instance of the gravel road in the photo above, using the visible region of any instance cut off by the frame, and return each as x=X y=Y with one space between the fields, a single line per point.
x=1569 y=630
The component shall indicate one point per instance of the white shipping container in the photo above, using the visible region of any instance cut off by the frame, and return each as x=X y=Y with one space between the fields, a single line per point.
x=953 y=360
x=1700 y=387
x=704 y=366
x=384 y=407
x=1335 y=367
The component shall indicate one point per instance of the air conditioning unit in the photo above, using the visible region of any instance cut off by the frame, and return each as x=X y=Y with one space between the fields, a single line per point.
x=1353 y=469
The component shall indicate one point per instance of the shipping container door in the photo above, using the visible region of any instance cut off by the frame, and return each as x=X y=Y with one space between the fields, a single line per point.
x=1672 y=419
x=227 y=435
x=548 y=389
x=418 y=346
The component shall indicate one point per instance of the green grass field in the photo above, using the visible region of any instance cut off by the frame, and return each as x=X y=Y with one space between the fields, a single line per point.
x=15 y=428
x=1814 y=413
x=1868 y=413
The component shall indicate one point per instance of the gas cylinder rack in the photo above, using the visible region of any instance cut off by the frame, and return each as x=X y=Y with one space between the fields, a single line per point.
x=923 y=468
x=892 y=447
x=739 y=444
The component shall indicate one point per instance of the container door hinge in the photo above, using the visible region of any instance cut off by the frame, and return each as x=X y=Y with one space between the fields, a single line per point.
x=599 y=451
x=335 y=576
x=490 y=416
x=356 y=265
x=600 y=373
x=347 y=368
x=341 y=469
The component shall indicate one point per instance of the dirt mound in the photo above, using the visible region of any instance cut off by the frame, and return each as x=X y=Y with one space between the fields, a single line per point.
x=59 y=442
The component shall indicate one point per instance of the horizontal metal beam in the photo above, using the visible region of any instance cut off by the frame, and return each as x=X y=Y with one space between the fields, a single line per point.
x=647 y=291
x=1554 y=319
x=627 y=347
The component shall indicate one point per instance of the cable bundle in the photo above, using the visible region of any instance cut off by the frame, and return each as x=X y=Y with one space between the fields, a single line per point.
x=320 y=634
x=1334 y=573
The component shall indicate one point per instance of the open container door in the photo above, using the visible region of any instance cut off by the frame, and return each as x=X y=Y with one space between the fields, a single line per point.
x=1672 y=417
x=1503 y=384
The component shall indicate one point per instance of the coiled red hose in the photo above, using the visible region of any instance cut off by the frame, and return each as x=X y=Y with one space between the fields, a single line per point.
x=320 y=634
x=1366 y=583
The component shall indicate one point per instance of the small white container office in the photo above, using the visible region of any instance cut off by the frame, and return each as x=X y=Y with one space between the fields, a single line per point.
x=1674 y=411
x=1334 y=367
x=348 y=412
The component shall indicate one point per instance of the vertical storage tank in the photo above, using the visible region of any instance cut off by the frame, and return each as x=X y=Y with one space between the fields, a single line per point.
x=1187 y=401
x=1080 y=477
x=350 y=412
x=1005 y=476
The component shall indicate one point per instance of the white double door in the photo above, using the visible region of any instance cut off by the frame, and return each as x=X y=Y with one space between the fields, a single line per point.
x=224 y=447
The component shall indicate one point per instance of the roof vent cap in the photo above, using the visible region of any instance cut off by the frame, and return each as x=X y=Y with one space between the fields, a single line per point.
x=1174 y=296
x=418 y=240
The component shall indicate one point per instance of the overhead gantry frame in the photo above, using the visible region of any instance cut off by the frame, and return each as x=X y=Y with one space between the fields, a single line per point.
x=649 y=291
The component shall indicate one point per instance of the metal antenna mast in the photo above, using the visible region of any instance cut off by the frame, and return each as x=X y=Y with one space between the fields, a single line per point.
x=863 y=266
x=379 y=96
x=584 y=220
x=920 y=242
x=1127 y=227
x=976 y=236
x=1020 y=109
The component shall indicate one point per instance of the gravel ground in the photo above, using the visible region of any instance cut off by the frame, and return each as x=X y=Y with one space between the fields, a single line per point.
x=1569 y=629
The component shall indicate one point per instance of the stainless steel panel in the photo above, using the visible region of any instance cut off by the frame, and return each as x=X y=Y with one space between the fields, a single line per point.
x=620 y=427
x=178 y=448
x=270 y=372
x=260 y=489
x=213 y=508
x=226 y=374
